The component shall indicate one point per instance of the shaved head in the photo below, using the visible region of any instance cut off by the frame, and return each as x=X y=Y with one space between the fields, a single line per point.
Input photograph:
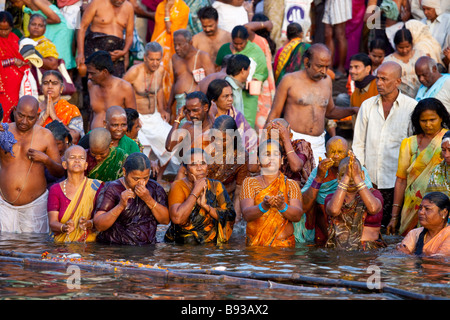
x=114 y=111
x=99 y=138
x=281 y=121
x=28 y=101
x=74 y=148
x=392 y=68
x=337 y=139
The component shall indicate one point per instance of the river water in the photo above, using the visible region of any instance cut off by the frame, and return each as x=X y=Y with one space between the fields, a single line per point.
x=19 y=280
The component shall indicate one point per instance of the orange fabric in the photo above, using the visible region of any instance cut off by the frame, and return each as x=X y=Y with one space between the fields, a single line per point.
x=439 y=244
x=65 y=112
x=358 y=98
x=265 y=230
x=179 y=18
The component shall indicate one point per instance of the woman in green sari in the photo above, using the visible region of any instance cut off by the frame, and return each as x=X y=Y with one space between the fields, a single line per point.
x=419 y=154
x=258 y=67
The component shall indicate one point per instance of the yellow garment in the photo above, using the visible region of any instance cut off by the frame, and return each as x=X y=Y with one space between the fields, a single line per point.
x=416 y=166
x=80 y=206
x=179 y=18
x=285 y=55
x=46 y=48
x=265 y=230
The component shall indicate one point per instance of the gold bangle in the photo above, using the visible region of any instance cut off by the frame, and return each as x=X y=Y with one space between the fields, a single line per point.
x=396 y=205
x=177 y=121
x=194 y=195
x=62 y=225
x=289 y=152
x=154 y=205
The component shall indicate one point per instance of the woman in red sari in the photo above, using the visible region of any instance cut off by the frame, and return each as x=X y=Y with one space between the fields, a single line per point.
x=12 y=66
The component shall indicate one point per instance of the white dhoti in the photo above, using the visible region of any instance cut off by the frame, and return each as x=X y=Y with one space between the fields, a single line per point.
x=31 y=217
x=317 y=144
x=153 y=134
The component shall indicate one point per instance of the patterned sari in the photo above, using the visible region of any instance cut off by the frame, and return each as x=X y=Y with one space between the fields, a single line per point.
x=290 y=58
x=65 y=112
x=265 y=230
x=415 y=166
x=179 y=17
x=345 y=230
x=109 y=169
x=81 y=205
x=201 y=227
x=440 y=179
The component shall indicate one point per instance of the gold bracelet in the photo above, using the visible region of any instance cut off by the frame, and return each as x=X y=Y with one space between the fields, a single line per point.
x=62 y=225
x=154 y=205
x=177 y=121
x=194 y=195
x=342 y=186
x=396 y=205
x=289 y=152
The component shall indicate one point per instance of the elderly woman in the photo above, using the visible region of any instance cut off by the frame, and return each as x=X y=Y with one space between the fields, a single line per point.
x=55 y=108
x=433 y=238
x=129 y=209
x=200 y=208
x=270 y=202
x=440 y=177
x=406 y=56
x=45 y=47
x=71 y=202
x=240 y=44
x=57 y=31
x=355 y=210
x=418 y=156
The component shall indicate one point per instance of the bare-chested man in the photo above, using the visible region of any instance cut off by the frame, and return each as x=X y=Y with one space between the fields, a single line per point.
x=190 y=66
x=106 y=90
x=102 y=27
x=212 y=37
x=23 y=201
x=147 y=81
x=306 y=98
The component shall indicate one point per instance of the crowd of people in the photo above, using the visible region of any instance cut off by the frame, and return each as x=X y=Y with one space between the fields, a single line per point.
x=201 y=115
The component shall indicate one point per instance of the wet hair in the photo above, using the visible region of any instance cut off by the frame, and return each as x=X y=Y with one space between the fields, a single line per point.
x=344 y=163
x=293 y=30
x=200 y=96
x=237 y=63
x=264 y=32
x=403 y=35
x=362 y=57
x=55 y=73
x=59 y=131
x=442 y=201
x=429 y=104
x=240 y=32
x=183 y=32
x=101 y=60
x=309 y=53
x=136 y=161
x=208 y=12
x=37 y=15
x=132 y=116
x=377 y=44
x=225 y=122
x=215 y=89
x=192 y=152
x=5 y=16
x=263 y=145
x=153 y=47
x=225 y=60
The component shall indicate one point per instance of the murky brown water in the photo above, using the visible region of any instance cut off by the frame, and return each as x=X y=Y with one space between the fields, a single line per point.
x=20 y=280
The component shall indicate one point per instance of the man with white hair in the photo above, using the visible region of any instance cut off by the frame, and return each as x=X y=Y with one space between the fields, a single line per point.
x=433 y=83
x=438 y=20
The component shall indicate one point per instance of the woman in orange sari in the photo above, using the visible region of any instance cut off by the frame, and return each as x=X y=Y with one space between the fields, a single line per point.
x=55 y=108
x=270 y=202
x=170 y=16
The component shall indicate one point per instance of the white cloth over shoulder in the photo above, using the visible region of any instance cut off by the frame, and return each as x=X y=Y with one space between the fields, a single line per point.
x=31 y=217
x=154 y=133
x=317 y=144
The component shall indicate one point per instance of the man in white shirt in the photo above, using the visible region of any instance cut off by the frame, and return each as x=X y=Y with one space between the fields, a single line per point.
x=382 y=123
x=437 y=20
x=231 y=14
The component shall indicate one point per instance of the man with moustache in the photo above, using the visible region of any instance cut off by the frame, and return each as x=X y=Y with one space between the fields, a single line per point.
x=23 y=187
x=190 y=66
x=306 y=99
